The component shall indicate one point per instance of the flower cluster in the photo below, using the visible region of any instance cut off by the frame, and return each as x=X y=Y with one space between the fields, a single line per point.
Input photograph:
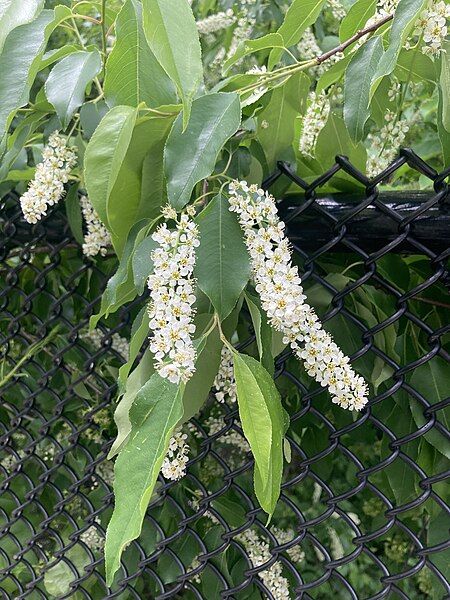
x=231 y=437
x=93 y=538
x=97 y=238
x=224 y=383
x=308 y=49
x=314 y=120
x=295 y=553
x=432 y=27
x=384 y=145
x=279 y=287
x=174 y=464
x=118 y=343
x=47 y=187
x=242 y=32
x=216 y=22
x=258 y=551
x=172 y=295
x=337 y=10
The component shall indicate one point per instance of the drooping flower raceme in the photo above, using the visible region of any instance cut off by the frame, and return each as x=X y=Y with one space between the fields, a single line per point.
x=174 y=464
x=47 y=187
x=172 y=295
x=314 y=120
x=279 y=286
x=97 y=238
x=216 y=22
x=224 y=383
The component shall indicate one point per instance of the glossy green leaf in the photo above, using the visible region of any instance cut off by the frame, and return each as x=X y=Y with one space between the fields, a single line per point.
x=431 y=381
x=263 y=332
x=73 y=212
x=134 y=382
x=191 y=155
x=333 y=73
x=121 y=288
x=222 y=266
x=444 y=82
x=105 y=154
x=139 y=333
x=334 y=139
x=300 y=15
x=276 y=121
x=154 y=414
x=405 y=17
x=90 y=116
x=142 y=263
x=444 y=135
x=66 y=85
x=206 y=368
x=133 y=74
x=146 y=143
x=262 y=421
x=22 y=47
x=172 y=35
x=52 y=56
x=246 y=47
x=14 y=13
x=358 y=77
x=413 y=65
x=358 y=15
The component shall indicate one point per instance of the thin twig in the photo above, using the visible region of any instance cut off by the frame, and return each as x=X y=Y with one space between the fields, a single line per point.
x=359 y=34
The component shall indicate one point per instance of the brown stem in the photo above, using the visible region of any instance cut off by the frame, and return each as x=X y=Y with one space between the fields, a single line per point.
x=359 y=34
x=433 y=302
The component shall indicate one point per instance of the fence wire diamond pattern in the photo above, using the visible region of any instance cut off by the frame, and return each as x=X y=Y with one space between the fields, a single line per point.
x=358 y=494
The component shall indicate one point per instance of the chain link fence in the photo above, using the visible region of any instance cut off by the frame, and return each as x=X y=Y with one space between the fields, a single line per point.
x=364 y=511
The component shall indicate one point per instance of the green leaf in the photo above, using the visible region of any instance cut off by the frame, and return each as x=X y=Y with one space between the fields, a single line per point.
x=139 y=333
x=191 y=155
x=14 y=13
x=262 y=421
x=444 y=135
x=334 y=139
x=247 y=47
x=444 y=82
x=135 y=381
x=90 y=116
x=172 y=35
x=222 y=266
x=206 y=368
x=358 y=77
x=146 y=143
x=300 y=15
x=405 y=17
x=133 y=74
x=66 y=85
x=263 y=332
x=276 y=121
x=431 y=381
x=104 y=155
x=73 y=212
x=357 y=16
x=142 y=263
x=120 y=288
x=22 y=47
x=413 y=65
x=52 y=56
x=153 y=415
x=333 y=73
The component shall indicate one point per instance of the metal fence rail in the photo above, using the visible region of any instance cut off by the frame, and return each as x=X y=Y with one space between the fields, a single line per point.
x=364 y=510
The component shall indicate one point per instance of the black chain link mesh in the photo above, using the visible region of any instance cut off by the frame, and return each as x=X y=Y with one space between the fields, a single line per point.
x=346 y=536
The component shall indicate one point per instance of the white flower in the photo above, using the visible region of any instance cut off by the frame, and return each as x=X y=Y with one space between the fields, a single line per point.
x=231 y=437
x=224 y=386
x=172 y=294
x=93 y=538
x=216 y=22
x=47 y=187
x=432 y=26
x=337 y=10
x=279 y=287
x=314 y=120
x=241 y=33
x=295 y=553
x=97 y=238
x=174 y=464
x=384 y=145
x=258 y=551
x=118 y=343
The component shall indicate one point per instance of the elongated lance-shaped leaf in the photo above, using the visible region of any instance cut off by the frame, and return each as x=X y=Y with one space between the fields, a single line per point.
x=133 y=74
x=191 y=155
x=405 y=17
x=66 y=85
x=222 y=267
x=154 y=414
x=358 y=77
x=300 y=15
x=263 y=424
x=173 y=38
